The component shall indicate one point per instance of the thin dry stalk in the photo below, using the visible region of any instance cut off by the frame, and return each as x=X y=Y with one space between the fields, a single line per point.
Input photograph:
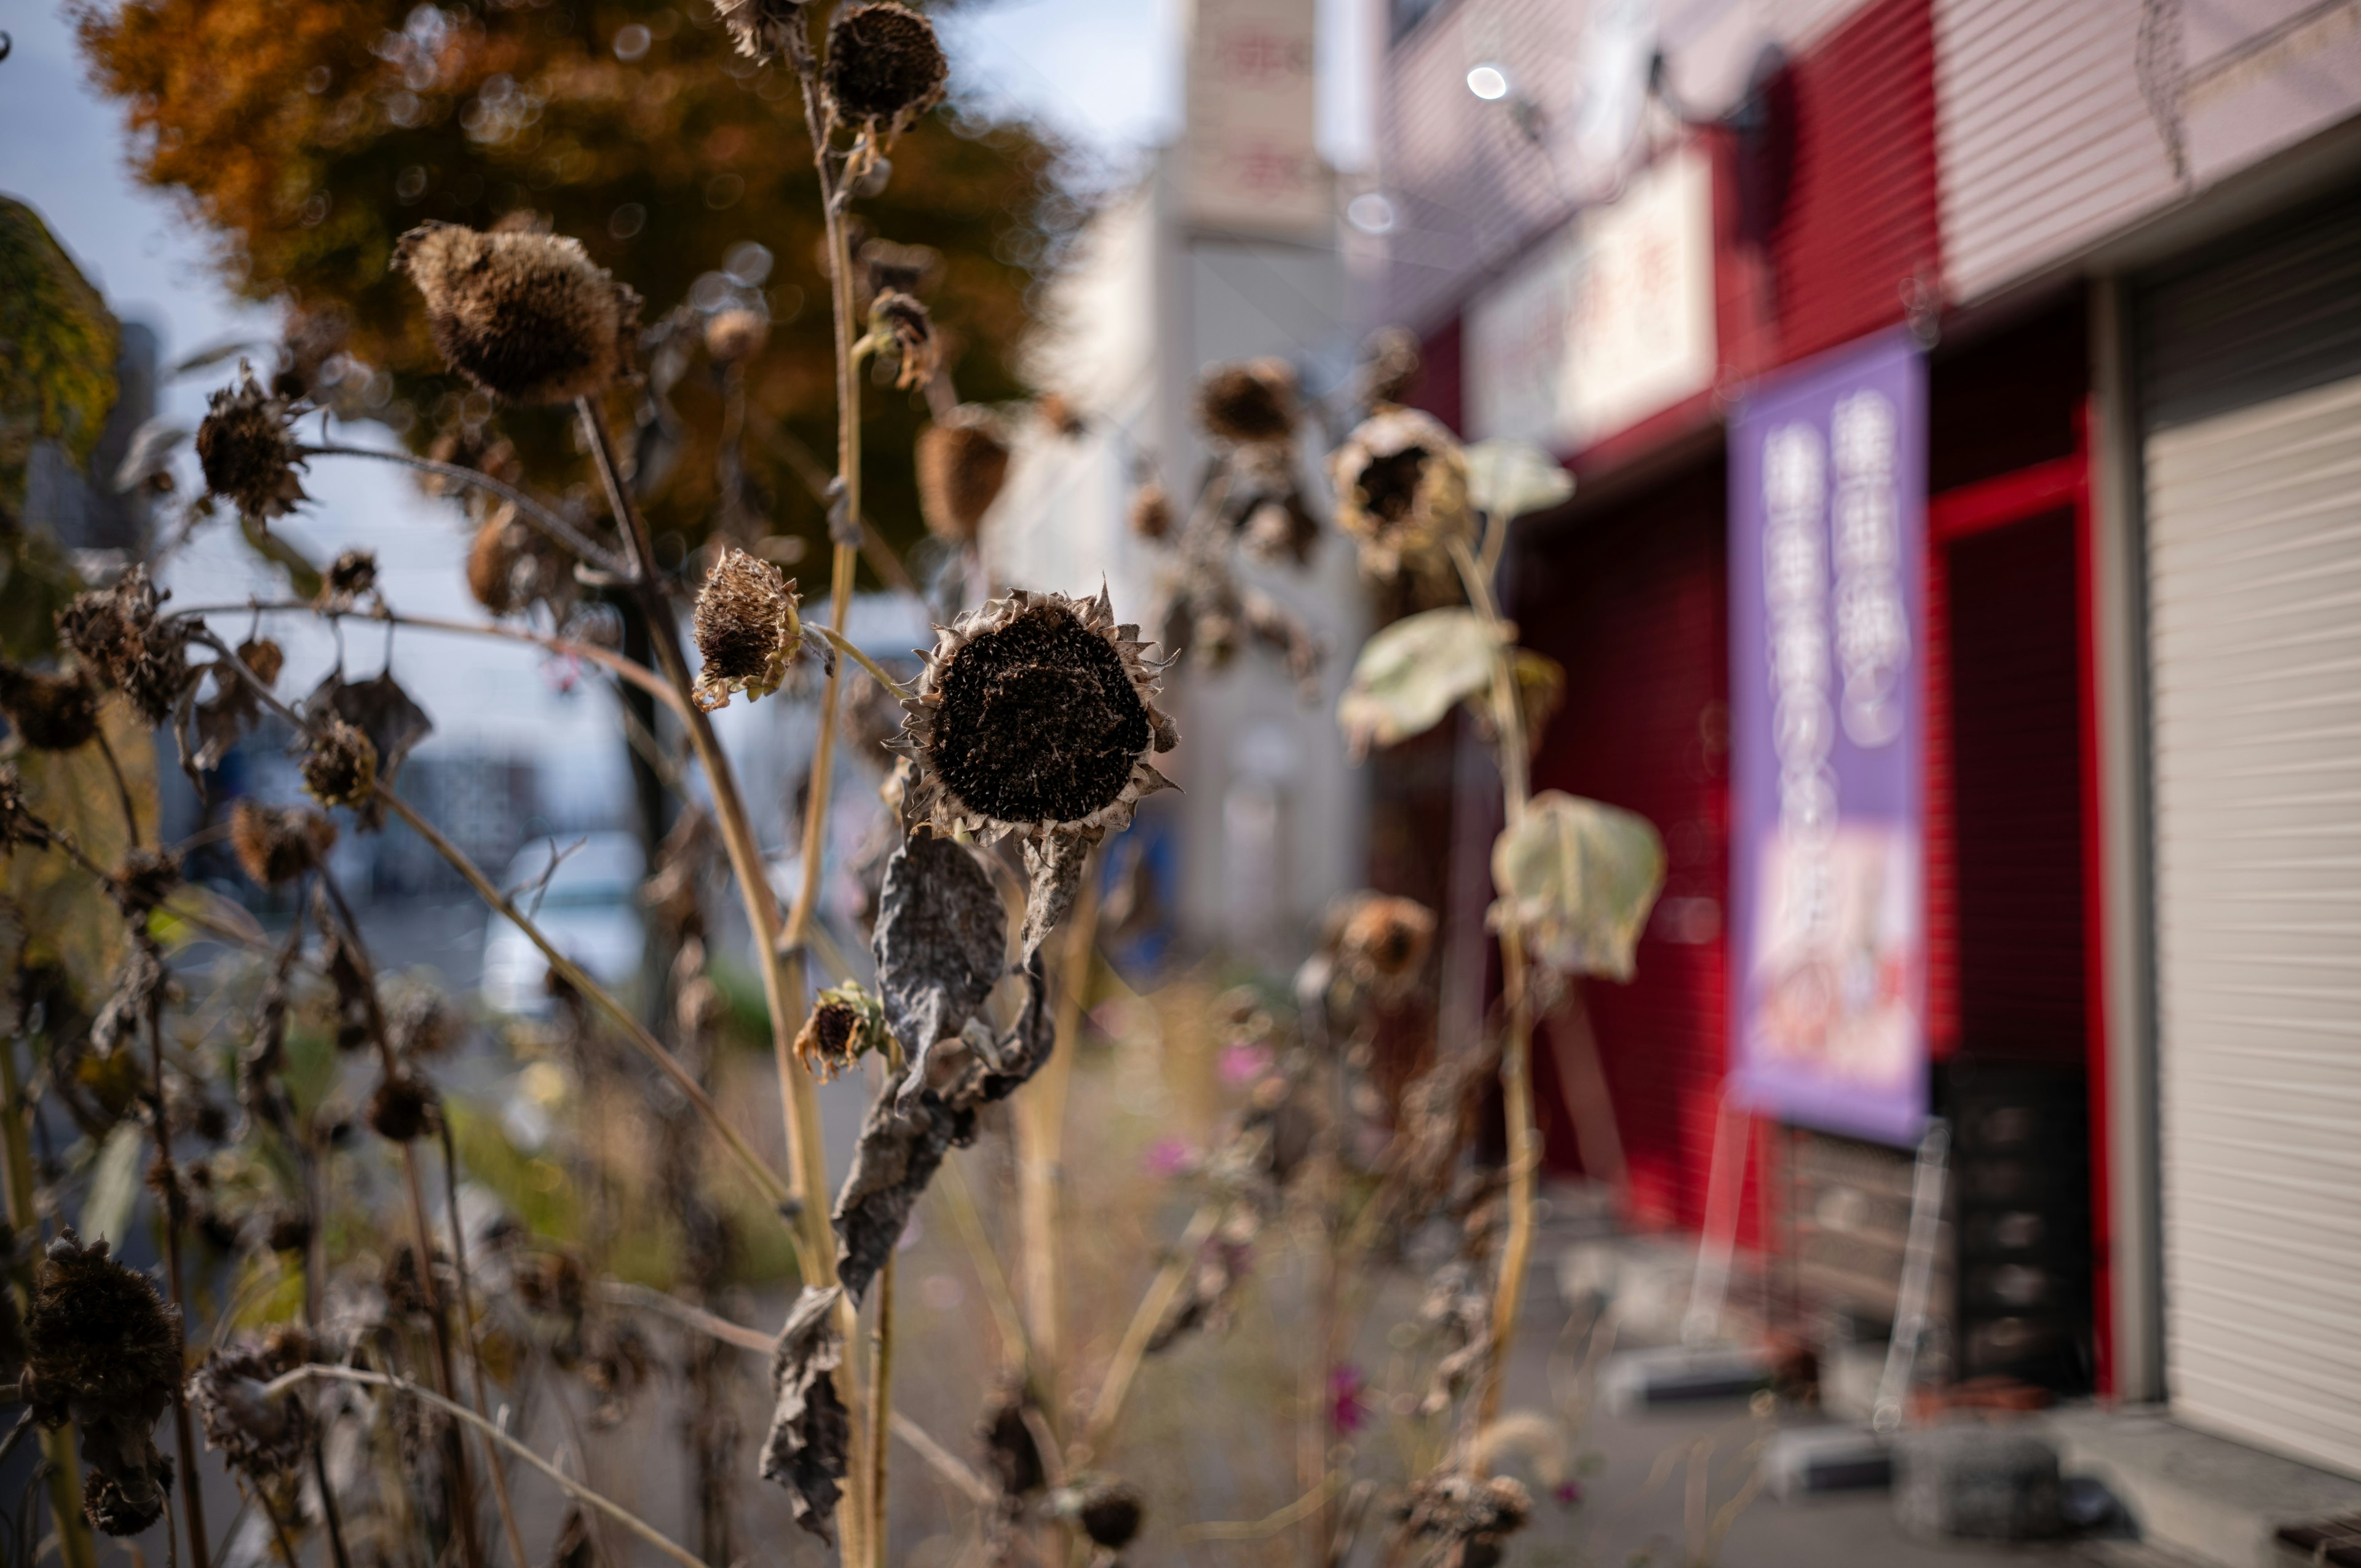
x=475 y=1363
x=1152 y=1308
x=75 y=1547
x=528 y=508
x=184 y=1434
x=564 y=1482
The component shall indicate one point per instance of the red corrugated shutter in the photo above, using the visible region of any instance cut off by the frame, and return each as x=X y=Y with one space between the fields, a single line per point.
x=1859 y=223
x=1633 y=602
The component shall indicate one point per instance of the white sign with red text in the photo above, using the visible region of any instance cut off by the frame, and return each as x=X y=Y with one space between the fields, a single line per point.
x=1251 y=158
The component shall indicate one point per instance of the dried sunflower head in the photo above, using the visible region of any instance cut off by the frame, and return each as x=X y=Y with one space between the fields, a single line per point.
x=846 y=1023
x=352 y=574
x=1108 y=1509
x=1035 y=715
x=339 y=764
x=402 y=1107
x=278 y=843
x=747 y=632
x=120 y=636
x=1151 y=512
x=103 y=1350
x=1249 y=401
x=146 y=879
x=962 y=465
x=1382 y=942
x=247 y=446
x=53 y=713
x=900 y=325
x=884 y=68
x=120 y=1504
x=528 y=317
x=1402 y=492
x=1468 y=1518
x=733 y=336
x=259 y=1437
x=763 y=30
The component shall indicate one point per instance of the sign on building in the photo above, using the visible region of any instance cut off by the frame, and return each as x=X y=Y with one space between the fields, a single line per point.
x=1827 y=482
x=1250 y=156
x=1608 y=320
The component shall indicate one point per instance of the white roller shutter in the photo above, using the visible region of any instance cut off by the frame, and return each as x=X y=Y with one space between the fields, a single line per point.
x=2253 y=531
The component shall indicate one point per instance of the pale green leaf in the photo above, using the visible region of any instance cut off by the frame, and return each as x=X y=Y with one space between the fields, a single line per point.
x=1508 y=478
x=1410 y=673
x=1577 y=879
x=114 y=1184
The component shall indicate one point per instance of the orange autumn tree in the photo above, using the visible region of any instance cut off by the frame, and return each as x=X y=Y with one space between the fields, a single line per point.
x=310 y=138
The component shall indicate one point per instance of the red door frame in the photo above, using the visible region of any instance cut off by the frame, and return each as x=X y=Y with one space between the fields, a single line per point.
x=1975 y=508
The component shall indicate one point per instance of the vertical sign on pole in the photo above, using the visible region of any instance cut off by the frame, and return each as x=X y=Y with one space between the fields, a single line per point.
x=1828 y=475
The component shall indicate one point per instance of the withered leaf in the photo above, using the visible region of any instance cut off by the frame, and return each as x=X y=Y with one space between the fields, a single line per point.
x=940 y=938
x=1055 y=865
x=132 y=993
x=809 y=1429
x=380 y=709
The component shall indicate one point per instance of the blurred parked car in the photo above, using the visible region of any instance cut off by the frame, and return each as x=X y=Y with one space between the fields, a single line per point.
x=588 y=907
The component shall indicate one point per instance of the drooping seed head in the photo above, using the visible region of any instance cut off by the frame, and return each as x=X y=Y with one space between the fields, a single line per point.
x=763 y=30
x=884 y=68
x=1248 y=401
x=259 y=1436
x=247 y=446
x=339 y=764
x=147 y=878
x=1151 y=512
x=120 y=636
x=101 y=1343
x=747 y=632
x=846 y=1023
x=902 y=327
x=528 y=317
x=352 y=574
x=962 y=466
x=51 y=712
x=1382 y=942
x=1402 y=492
x=276 y=844
x=402 y=1107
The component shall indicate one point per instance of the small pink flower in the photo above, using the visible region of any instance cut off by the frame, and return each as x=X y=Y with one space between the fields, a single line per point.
x=1243 y=1062
x=1168 y=1157
x=1346 y=1413
x=1566 y=1493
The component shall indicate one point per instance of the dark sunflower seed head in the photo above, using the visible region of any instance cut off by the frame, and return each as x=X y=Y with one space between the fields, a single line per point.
x=402 y=1107
x=276 y=844
x=747 y=632
x=528 y=317
x=247 y=446
x=339 y=764
x=259 y=1436
x=1251 y=401
x=885 y=67
x=98 y=1335
x=51 y=712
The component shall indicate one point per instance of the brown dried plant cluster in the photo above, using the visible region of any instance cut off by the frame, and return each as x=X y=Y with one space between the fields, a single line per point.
x=369 y=1339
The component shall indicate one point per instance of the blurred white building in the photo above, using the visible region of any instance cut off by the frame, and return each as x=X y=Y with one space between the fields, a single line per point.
x=1225 y=249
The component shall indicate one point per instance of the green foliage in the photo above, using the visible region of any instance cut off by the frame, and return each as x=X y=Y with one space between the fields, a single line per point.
x=1411 y=674
x=1578 y=879
x=58 y=347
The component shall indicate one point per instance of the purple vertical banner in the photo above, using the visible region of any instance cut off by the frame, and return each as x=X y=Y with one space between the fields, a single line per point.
x=1828 y=531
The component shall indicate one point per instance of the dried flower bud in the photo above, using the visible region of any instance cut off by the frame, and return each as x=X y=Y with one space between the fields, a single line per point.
x=1402 y=492
x=1151 y=512
x=403 y=1107
x=1037 y=714
x=763 y=30
x=846 y=1023
x=53 y=713
x=1252 y=400
x=278 y=843
x=339 y=764
x=736 y=335
x=247 y=448
x=119 y=636
x=259 y=1436
x=1391 y=367
x=1468 y=1518
x=747 y=632
x=352 y=574
x=1382 y=942
x=528 y=317
x=899 y=326
x=887 y=267
x=1108 y=1510
x=1059 y=415
x=884 y=68
x=264 y=657
x=962 y=465
x=146 y=879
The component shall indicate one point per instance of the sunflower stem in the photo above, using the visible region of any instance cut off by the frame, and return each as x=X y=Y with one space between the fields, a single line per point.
x=533 y=512
x=466 y=1331
x=1516 y=1055
x=184 y=1436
